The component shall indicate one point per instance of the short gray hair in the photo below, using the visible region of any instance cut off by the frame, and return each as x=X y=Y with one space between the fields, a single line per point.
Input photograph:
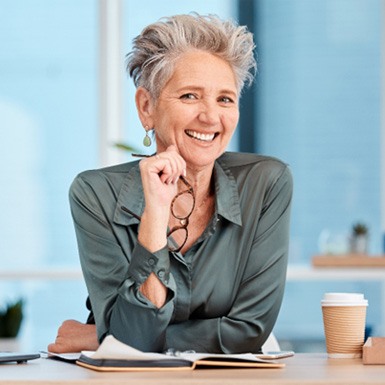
x=155 y=50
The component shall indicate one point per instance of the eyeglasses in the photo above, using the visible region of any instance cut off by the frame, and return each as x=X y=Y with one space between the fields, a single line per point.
x=183 y=217
x=184 y=198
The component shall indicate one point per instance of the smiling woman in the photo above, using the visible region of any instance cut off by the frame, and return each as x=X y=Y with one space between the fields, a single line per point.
x=219 y=286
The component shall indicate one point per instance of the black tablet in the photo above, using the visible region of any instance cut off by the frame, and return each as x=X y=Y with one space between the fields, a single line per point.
x=17 y=357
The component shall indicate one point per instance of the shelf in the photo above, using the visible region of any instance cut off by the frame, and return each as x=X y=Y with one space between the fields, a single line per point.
x=306 y=273
x=348 y=260
x=46 y=273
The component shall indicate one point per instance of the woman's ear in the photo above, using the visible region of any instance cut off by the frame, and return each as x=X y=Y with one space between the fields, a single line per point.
x=145 y=106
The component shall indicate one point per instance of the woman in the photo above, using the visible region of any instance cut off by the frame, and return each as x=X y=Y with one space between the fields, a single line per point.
x=187 y=248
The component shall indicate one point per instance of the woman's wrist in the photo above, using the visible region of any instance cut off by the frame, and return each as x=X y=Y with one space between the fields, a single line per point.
x=153 y=230
x=154 y=290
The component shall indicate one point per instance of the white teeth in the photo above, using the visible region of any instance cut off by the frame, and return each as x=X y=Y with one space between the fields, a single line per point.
x=203 y=137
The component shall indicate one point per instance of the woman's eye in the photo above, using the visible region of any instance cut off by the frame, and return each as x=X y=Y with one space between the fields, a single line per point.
x=188 y=96
x=226 y=99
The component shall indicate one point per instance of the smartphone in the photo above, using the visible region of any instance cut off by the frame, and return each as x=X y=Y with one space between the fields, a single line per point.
x=17 y=357
x=272 y=355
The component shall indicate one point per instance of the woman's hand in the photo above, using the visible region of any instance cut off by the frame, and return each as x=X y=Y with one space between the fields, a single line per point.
x=160 y=174
x=74 y=336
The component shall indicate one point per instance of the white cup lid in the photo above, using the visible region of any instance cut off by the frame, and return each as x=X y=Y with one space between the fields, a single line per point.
x=344 y=299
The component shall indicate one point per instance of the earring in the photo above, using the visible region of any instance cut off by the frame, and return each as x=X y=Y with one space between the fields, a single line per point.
x=147 y=140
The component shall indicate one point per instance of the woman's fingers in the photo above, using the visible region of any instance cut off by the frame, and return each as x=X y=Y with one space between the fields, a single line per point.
x=177 y=163
x=74 y=336
x=169 y=165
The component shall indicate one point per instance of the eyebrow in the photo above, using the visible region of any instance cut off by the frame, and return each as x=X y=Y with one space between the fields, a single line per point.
x=199 y=88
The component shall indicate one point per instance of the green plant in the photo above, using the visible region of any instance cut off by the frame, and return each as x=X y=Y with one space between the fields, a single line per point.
x=125 y=147
x=10 y=319
x=360 y=229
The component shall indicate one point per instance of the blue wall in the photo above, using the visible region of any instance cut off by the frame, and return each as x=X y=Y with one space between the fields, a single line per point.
x=319 y=93
x=318 y=108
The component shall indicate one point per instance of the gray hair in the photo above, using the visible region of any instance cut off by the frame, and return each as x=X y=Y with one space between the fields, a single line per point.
x=155 y=50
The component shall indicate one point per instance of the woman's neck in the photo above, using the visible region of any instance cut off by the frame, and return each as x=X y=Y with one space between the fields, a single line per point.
x=202 y=182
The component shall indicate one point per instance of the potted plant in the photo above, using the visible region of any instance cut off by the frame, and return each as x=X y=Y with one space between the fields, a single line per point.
x=359 y=238
x=11 y=317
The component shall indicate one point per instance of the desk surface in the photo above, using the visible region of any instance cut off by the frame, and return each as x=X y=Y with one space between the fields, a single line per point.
x=303 y=368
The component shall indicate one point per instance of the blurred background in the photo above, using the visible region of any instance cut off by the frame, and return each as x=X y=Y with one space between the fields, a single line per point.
x=317 y=103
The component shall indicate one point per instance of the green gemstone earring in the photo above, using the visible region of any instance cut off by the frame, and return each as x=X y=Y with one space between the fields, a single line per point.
x=147 y=140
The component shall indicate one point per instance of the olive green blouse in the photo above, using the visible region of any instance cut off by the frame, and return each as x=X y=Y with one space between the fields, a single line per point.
x=225 y=292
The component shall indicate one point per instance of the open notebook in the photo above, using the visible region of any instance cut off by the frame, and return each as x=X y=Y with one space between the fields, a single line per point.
x=113 y=355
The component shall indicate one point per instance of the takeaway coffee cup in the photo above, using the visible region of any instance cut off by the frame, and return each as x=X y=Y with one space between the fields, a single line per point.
x=344 y=316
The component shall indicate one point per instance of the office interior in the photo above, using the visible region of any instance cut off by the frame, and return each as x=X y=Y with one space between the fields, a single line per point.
x=65 y=101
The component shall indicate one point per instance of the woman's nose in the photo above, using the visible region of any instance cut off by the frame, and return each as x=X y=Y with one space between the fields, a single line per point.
x=209 y=114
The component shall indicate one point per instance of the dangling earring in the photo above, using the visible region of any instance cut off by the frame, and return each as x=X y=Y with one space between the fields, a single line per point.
x=147 y=140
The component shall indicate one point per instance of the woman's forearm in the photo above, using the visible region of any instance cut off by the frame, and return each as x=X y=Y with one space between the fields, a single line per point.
x=154 y=290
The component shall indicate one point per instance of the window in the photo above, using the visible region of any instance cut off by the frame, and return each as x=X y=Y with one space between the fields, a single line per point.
x=49 y=133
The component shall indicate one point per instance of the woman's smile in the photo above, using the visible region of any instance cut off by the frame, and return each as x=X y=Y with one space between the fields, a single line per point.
x=201 y=136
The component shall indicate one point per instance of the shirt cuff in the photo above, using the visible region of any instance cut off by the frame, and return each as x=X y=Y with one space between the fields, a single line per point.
x=143 y=263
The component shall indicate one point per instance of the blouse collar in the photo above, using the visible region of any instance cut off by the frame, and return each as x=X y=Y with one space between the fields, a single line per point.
x=131 y=196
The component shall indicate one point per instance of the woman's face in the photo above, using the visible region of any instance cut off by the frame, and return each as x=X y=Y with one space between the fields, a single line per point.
x=197 y=110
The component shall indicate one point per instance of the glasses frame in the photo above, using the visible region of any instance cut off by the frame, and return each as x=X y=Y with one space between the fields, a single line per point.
x=184 y=220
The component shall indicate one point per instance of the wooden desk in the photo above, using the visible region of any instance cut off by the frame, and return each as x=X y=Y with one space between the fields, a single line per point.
x=301 y=369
